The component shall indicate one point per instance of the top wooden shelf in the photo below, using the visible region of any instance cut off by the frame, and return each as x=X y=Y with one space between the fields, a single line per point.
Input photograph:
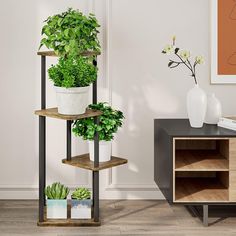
x=53 y=54
x=53 y=113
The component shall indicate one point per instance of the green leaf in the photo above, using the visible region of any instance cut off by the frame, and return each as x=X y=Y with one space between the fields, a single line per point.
x=176 y=50
x=170 y=63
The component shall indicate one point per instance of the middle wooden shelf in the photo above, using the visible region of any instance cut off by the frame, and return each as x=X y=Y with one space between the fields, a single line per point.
x=83 y=161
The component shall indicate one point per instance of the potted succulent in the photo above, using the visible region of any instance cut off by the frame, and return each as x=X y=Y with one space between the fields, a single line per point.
x=71 y=32
x=110 y=121
x=72 y=77
x=81 y=204
x=56 y=201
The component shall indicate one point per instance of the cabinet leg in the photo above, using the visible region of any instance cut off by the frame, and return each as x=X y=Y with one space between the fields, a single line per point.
x=205 y=215
x=42 y=162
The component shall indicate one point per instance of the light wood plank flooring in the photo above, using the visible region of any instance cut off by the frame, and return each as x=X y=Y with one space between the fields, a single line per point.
x=119 y=217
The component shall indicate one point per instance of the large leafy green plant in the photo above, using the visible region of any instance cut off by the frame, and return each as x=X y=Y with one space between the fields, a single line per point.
x=81 y=194
x=110 y=121
x=71 y=32
x=73 y=72
x=56 y=191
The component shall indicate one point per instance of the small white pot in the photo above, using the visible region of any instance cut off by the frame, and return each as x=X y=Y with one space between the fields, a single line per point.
x=81 y=209
x=104 y=151
x=196 y=106
x=72 y=101
x=214 y=110
x=56 y=209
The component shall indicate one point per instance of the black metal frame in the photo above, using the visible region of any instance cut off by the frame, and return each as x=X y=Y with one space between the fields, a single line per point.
x=42 y=148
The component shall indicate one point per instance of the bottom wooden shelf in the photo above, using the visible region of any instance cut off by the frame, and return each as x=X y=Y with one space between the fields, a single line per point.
x=200 y=190
x=69 y=222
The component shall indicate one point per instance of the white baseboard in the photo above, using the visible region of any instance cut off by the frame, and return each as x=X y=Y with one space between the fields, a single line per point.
x=32 y=193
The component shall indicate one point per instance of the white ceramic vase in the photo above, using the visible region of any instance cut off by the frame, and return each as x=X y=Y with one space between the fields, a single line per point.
x=196 y=106
x=104 y=151
x=72 y=101
x=214 y=110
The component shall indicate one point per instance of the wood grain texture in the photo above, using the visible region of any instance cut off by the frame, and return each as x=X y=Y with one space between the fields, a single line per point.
x=69 y=223
x=52 y=53
x=200 y=190
x=83 y=161
x=195 y=144
x=200 y=160
x=232 y=186
x=122 y=217
x=53 y=113
x=232 y=154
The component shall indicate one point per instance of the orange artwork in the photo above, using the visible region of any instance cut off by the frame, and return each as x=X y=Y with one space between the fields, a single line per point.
x=226 y=37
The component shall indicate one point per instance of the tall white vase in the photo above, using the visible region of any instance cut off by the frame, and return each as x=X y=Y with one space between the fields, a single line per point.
x=214 y=110
x=196 y=106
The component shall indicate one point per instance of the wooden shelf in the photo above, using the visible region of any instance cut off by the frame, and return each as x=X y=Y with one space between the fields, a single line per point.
x=69 y=222
x=53 y=113
x=200 y=160
x=84 y=162
x=190 y=190
x=52 y=53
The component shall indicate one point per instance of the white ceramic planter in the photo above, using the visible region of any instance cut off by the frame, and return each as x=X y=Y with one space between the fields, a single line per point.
x=72 y=101
x=81 y=209
x=56 y=209
x=196 y=106
x=214 y=110
x=104 y=151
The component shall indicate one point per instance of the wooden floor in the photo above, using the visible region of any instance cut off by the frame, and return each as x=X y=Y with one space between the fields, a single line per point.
x=119 y=217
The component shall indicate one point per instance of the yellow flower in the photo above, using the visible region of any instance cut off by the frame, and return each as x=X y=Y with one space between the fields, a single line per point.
x=185 y=55
x=168 y=49
x=199 y=60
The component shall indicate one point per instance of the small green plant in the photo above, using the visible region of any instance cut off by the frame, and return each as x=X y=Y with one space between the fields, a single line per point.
x=182 y=58
x=73 y=72
x=71 y=32
x=110 y=121
x=56 y=191
x=81 y=194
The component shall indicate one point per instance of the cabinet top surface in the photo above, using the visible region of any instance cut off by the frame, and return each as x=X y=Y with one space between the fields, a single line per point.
x=182 y=128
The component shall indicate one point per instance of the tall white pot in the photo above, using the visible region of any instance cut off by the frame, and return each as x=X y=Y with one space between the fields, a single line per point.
x=104 y=151
x=72 y=101
x=196 y=106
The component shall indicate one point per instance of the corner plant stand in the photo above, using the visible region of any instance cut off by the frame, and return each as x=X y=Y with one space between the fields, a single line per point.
x=81 y=161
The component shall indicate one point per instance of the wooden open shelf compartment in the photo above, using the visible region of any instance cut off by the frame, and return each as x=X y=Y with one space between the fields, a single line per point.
x=201 y=170
x=201 y=187
x=200 y=160
x=201 y=155
x=53 y=113
x=84 y=162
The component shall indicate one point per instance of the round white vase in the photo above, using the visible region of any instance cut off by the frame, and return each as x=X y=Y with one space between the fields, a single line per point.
x=104 y=151
x=72 y=101
x=196 y=106
x=214 y=110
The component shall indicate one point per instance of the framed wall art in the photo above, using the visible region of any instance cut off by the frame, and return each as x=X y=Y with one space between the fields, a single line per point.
x=223 y=42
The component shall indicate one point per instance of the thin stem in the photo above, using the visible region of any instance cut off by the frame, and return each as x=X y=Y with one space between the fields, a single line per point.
x=189 y=67
x=183 y=61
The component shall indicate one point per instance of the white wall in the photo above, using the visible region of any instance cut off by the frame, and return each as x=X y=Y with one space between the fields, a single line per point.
x=133 y=77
